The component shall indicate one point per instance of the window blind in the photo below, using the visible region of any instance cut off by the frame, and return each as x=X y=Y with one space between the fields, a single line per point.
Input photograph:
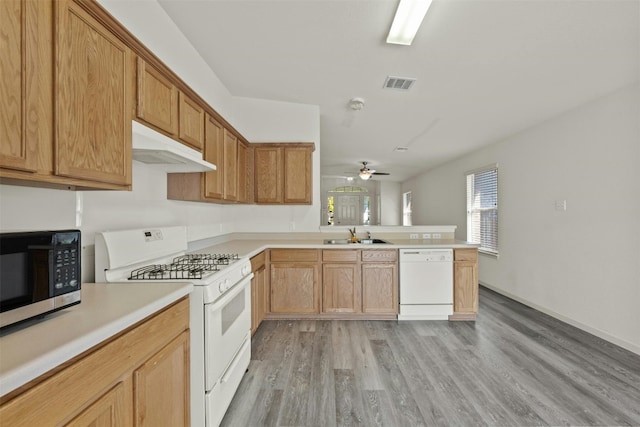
x=482 y=208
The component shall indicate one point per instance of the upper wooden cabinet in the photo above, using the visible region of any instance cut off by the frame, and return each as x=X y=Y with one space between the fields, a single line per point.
x=228 y=183
x=243 y=173
x=17 y=151
x=93 y=99
x=214 y=153
x=160 y=104
x=230 y=166
x=156 y=98
x=88 y=146
x=283 y=173
x=268 y=173
x=191 y=122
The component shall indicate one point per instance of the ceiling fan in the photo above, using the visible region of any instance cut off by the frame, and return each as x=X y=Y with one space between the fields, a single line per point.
x=366 y=173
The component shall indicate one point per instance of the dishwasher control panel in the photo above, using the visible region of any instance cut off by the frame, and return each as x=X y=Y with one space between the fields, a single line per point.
x=426 y=255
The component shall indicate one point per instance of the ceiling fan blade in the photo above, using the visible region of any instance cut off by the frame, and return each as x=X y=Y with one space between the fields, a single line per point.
x=380 y=173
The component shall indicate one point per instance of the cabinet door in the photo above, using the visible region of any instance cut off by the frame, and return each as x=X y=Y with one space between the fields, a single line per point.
x=110 y=410
x=297 y=175
x=157 y=99
x=93 y=103
x=230 y=166
x=15 y=152
x=161 y=386
x=214 y=153
x=242 y=172
x=268 y=174
x=380 y=288
x=465 y=287
x=340 y=288
x=294 y=288
x=258 y=298
x=191 y=122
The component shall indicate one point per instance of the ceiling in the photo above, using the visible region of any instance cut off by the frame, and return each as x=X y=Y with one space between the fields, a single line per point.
x=485 y=69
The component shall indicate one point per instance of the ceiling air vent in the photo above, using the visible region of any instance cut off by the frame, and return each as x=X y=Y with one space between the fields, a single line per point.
x=399 y=83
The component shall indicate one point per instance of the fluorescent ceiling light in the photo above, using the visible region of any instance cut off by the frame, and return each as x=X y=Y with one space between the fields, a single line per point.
x=409 y=16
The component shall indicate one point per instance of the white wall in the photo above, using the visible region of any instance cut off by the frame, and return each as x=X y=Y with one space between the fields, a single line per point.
x=391 y=203
x=583 y=264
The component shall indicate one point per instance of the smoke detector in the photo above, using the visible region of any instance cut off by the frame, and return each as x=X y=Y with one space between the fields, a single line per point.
x=356 y=104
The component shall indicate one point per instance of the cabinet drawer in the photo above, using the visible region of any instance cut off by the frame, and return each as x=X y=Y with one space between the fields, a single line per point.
x=379 y=255
x=465 y=254
x=339 y=255
x=288 y=255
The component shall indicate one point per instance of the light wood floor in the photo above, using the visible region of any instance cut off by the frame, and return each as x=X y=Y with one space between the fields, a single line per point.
x=514 y=366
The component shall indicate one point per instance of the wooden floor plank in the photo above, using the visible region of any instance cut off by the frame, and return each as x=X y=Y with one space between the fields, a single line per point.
x=513 y=366
x=293 y=411
x=349 y=409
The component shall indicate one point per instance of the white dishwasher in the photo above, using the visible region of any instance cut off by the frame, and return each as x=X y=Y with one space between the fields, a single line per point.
x=426 y=284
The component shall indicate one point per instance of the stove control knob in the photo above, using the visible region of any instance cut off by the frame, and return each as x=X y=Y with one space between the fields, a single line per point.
x=224 y=286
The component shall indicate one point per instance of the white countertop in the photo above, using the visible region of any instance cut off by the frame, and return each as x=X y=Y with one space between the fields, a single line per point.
x=33 y=348
x=251 y=247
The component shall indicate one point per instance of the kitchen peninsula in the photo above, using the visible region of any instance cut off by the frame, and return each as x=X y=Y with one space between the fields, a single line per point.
x=299 y=276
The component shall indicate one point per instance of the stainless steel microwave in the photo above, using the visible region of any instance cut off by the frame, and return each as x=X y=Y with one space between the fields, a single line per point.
x=39 y=273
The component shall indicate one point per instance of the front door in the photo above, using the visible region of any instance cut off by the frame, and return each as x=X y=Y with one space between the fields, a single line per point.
x=347 y=210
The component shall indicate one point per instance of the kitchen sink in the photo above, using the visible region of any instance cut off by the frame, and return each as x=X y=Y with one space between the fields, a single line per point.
x=337 y=242
x=373 y=241
x=348 y=241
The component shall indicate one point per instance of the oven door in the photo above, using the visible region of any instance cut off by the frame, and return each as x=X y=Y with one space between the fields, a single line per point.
x=227 y=322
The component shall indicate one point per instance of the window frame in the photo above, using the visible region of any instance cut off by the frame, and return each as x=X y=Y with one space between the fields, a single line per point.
x=489 y=244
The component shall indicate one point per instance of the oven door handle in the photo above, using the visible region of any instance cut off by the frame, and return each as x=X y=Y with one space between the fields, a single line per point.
x=232 y=292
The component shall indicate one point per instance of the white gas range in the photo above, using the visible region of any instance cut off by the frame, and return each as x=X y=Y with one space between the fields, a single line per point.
x=220 y=306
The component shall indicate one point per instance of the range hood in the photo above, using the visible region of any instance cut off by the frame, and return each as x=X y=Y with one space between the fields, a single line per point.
x=153 y=148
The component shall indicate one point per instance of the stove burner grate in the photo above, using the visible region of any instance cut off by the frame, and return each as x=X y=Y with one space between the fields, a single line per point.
x=206 y=259
x=192 y=266
x=172 y=271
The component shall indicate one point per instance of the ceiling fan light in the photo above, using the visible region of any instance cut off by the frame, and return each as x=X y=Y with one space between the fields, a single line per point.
x=365 y=175
x=407 y=21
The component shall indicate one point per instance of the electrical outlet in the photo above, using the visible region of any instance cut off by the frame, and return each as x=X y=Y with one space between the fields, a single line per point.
x=292 y=226
x=413 y=235
x=426 y=235
x=437 y=235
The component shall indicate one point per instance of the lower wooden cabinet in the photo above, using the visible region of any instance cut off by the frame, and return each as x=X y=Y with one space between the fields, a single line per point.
x=341 y=288
x=259 y=298
x=380 y=288
x=109 y=410
x=157 y=382
x=465 y=284
x=343 y=283
x=294 y=281
x=139 y=378
x=295 y=288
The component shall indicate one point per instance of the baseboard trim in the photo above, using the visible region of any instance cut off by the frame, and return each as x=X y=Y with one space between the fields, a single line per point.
x=597 y=332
